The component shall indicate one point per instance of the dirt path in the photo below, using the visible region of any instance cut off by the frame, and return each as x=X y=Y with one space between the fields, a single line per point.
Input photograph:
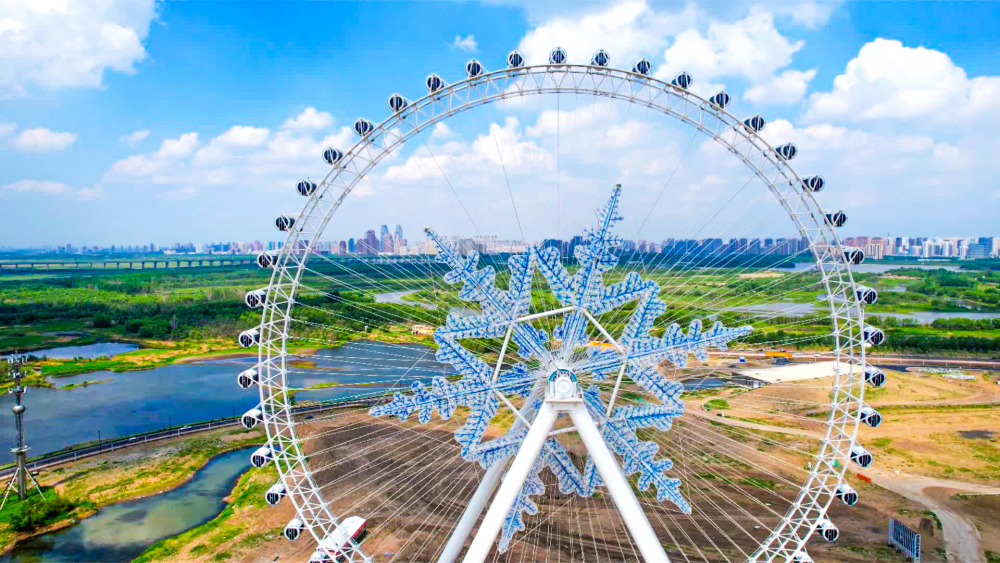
x=961 y=537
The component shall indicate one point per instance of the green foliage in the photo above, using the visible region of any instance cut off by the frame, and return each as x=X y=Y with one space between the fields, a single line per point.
x=39 y=513
x=716 y=404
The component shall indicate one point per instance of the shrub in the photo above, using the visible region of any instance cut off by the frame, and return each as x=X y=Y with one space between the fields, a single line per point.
x=37 y=513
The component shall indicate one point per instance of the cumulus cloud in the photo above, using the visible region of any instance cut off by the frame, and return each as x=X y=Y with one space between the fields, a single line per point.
x=689 y=40
x=467 y=43
x=41 y=139
x=69 y=44
x=628 y=30
x=309 y=120
x=787 y=88
x=134 y=138
x=889 y=81
x=180 y=147
x=752 y=48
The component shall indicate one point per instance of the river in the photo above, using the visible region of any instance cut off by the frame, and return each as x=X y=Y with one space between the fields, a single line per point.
x=134 y=402
x=88 y=351
x=122 y=531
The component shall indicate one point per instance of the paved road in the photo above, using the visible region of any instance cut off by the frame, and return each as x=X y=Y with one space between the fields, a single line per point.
x=66 y=456
x=880 y=359
x=961 y=538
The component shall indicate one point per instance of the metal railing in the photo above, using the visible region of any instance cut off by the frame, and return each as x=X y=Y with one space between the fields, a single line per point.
x=904 y=539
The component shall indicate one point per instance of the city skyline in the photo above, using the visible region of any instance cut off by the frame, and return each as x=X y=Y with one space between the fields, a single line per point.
x=874 y=247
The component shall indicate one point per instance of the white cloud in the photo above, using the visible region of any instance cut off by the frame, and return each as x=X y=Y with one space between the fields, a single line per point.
x=38 y=186
x=467 y=43
x=751 y=48
x=180 y=147
x=136 y=165
x=787 y=88
x=41 y=139
x=69 y=44
x=134 y=138
x=309 y=120
x=890 y=81
x=627 y=31
x=441 y=132
x=238 y=137
x=7 y=128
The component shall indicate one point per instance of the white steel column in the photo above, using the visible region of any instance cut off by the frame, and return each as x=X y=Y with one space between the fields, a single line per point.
x=476 y=504
x=619 y=488
x=512 y=483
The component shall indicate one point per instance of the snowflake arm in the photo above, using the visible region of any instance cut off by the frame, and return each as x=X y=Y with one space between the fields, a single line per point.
x=637 y=456
x=558 y=460
x=514 y=521
x=676 y=346
x=666 y=390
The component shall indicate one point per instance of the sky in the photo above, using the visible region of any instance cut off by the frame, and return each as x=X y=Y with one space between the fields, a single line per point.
x=136 y=121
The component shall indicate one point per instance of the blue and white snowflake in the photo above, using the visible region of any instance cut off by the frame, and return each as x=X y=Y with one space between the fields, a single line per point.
x=637 y=357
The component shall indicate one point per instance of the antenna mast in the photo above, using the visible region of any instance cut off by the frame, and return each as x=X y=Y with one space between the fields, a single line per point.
x=21 y=474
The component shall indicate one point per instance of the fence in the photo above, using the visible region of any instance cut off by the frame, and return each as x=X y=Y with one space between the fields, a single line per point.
x=904 y=539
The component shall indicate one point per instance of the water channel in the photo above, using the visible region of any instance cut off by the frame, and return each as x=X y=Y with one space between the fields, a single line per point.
x=122 y=531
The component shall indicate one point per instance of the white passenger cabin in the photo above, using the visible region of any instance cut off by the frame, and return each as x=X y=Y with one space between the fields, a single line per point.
x=351 y=528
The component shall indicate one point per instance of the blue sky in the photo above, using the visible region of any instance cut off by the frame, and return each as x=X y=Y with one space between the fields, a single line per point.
x=125 y=122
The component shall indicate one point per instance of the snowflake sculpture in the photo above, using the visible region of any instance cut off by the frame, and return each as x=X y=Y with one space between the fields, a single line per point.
x=635 y=356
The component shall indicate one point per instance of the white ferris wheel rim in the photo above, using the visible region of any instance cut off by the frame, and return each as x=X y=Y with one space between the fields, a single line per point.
x=846 y=311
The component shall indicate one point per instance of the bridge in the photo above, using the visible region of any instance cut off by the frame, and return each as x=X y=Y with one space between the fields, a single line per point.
x=193 y=262
x=89 y=449
x=130 y=264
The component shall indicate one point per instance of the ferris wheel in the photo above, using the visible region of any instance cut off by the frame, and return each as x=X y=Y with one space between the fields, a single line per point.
x=559 y=392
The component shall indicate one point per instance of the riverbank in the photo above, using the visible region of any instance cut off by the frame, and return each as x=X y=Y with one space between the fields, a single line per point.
x=139 y=472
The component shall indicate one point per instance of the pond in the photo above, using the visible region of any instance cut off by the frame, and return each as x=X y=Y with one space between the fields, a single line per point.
x=89 y=351
x=122 y=531
x=397 y=298
x=142 y=401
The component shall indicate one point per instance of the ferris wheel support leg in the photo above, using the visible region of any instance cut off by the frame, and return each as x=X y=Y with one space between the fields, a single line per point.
x=471 y=514
x=512 y=483
x=619 y=488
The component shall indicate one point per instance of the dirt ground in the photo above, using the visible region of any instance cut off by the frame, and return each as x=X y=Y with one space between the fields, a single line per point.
x=412 y=486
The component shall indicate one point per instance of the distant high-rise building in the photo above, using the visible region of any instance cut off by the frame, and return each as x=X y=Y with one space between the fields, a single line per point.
x=351 y=248
x=382 y=235
x=977 y=251
x=370 y=244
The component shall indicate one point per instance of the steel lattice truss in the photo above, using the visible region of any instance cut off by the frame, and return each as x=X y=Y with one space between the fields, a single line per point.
x=636 y=353
x=846 y=311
